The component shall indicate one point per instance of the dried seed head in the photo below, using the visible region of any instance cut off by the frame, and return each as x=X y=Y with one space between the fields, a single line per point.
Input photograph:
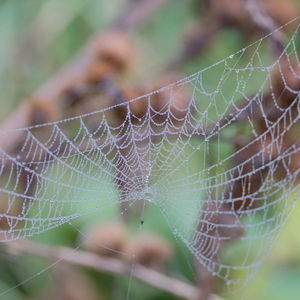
x=286 y=76
x=8 y=214
x=115 y=49
x=281 y=11
x=99 y=70
x=42 y=111
x=149 y=250
x=231 y=11
x=106 y=239
x=138 y=108
x=175 y=99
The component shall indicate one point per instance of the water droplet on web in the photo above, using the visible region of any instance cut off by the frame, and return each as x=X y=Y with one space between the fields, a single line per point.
x=231 y=56
x=228 y=282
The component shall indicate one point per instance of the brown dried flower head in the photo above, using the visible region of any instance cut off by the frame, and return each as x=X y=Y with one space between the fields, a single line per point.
x=114 y=55
x=106 y=239
x=149 y=250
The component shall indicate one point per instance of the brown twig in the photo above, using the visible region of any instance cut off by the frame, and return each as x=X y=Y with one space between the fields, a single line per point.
x=149 y=276
x=251 y=17
x=263 y=21
x=136 y=12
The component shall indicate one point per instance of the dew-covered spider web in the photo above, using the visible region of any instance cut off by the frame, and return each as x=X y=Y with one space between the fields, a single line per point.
x=217 y=152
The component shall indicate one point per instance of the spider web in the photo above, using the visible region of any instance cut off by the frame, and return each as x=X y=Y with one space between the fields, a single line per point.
x=216 y=152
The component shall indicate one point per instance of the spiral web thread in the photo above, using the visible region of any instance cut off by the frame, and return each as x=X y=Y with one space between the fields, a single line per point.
x=195 y=149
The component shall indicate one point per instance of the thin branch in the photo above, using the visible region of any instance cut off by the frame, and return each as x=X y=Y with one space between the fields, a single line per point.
x=263 y=21
x=149 y=276
x=248 y=16
x=137 y=12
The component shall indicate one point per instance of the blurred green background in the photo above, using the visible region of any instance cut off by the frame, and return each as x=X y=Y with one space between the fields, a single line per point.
x=59 y=28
